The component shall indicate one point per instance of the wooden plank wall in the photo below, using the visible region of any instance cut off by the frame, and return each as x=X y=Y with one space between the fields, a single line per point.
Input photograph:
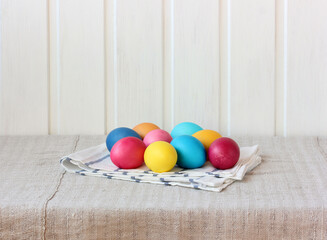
x=240 y=67
x=77 y=67
x=24 y=67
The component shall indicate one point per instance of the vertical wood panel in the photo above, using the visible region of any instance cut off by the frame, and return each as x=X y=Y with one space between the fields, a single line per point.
x=280 y=70
x=306 y=68
x=168 y=71
x=54 y=66
x=196 y=62
x=81 y=80
x=111 y=62
x=139 y=62
x=24 y=70
x=252 y=51
x=224 y=49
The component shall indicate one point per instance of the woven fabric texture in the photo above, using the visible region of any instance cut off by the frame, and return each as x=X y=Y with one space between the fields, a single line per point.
x=96 y=162
x=284 y=198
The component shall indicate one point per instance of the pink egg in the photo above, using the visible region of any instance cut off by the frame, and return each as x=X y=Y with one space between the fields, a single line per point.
x=128 y=153
x=157 y=135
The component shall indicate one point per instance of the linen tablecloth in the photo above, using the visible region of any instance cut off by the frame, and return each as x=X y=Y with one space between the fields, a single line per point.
x=284 y=198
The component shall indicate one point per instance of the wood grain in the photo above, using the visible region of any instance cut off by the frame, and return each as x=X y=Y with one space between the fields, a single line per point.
x=224 y=59
x=110 y=26
x=139 y=62
x=240 y=67
x=81 y=80
x=168 y=65
x=196 y=62
x=306 y=68
x=252 y=56
x=24 y=67
x=280 y=68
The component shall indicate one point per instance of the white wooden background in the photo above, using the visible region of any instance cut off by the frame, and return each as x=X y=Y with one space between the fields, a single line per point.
x=255 y=67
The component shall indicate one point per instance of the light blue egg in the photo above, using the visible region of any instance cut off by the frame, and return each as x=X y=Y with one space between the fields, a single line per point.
x=185 y=128
x=190 y=151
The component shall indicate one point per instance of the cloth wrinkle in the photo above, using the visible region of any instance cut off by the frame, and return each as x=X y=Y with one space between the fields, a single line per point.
x=321 y=150
x=52 y=195
x=95 y=161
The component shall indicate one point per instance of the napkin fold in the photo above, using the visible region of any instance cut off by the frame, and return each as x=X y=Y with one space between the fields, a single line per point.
x=95 y=161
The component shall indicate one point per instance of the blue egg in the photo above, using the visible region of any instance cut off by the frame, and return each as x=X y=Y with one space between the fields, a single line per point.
x=190 y=151
x=119 y=133
x=185 y=128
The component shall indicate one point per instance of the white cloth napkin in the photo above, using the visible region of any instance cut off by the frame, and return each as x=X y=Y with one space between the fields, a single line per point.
x=95 y=161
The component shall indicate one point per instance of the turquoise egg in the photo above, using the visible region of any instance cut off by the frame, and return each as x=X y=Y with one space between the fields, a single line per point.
x=190 y=152
x=185 y=128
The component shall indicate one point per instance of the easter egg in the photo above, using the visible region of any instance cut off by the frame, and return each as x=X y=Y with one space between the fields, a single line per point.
x=119 y=133
x=157 y=135
x=128 y=153
x=206 y=137
x=185 y=128
x=190 y=152
x=160 y=157
x=144 y=128
x=224 y=153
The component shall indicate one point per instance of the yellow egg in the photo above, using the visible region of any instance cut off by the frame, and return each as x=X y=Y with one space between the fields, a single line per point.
x=160 y=157
x=206 y=137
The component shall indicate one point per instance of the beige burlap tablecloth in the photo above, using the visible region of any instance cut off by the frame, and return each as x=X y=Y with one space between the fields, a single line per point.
x=284 y=198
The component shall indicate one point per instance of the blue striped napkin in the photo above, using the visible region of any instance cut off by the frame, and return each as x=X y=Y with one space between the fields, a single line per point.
x=95 y=161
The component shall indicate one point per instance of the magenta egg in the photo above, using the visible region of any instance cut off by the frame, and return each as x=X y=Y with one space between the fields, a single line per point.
x=157 y=135
x=128 y=153
x=224 y=153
